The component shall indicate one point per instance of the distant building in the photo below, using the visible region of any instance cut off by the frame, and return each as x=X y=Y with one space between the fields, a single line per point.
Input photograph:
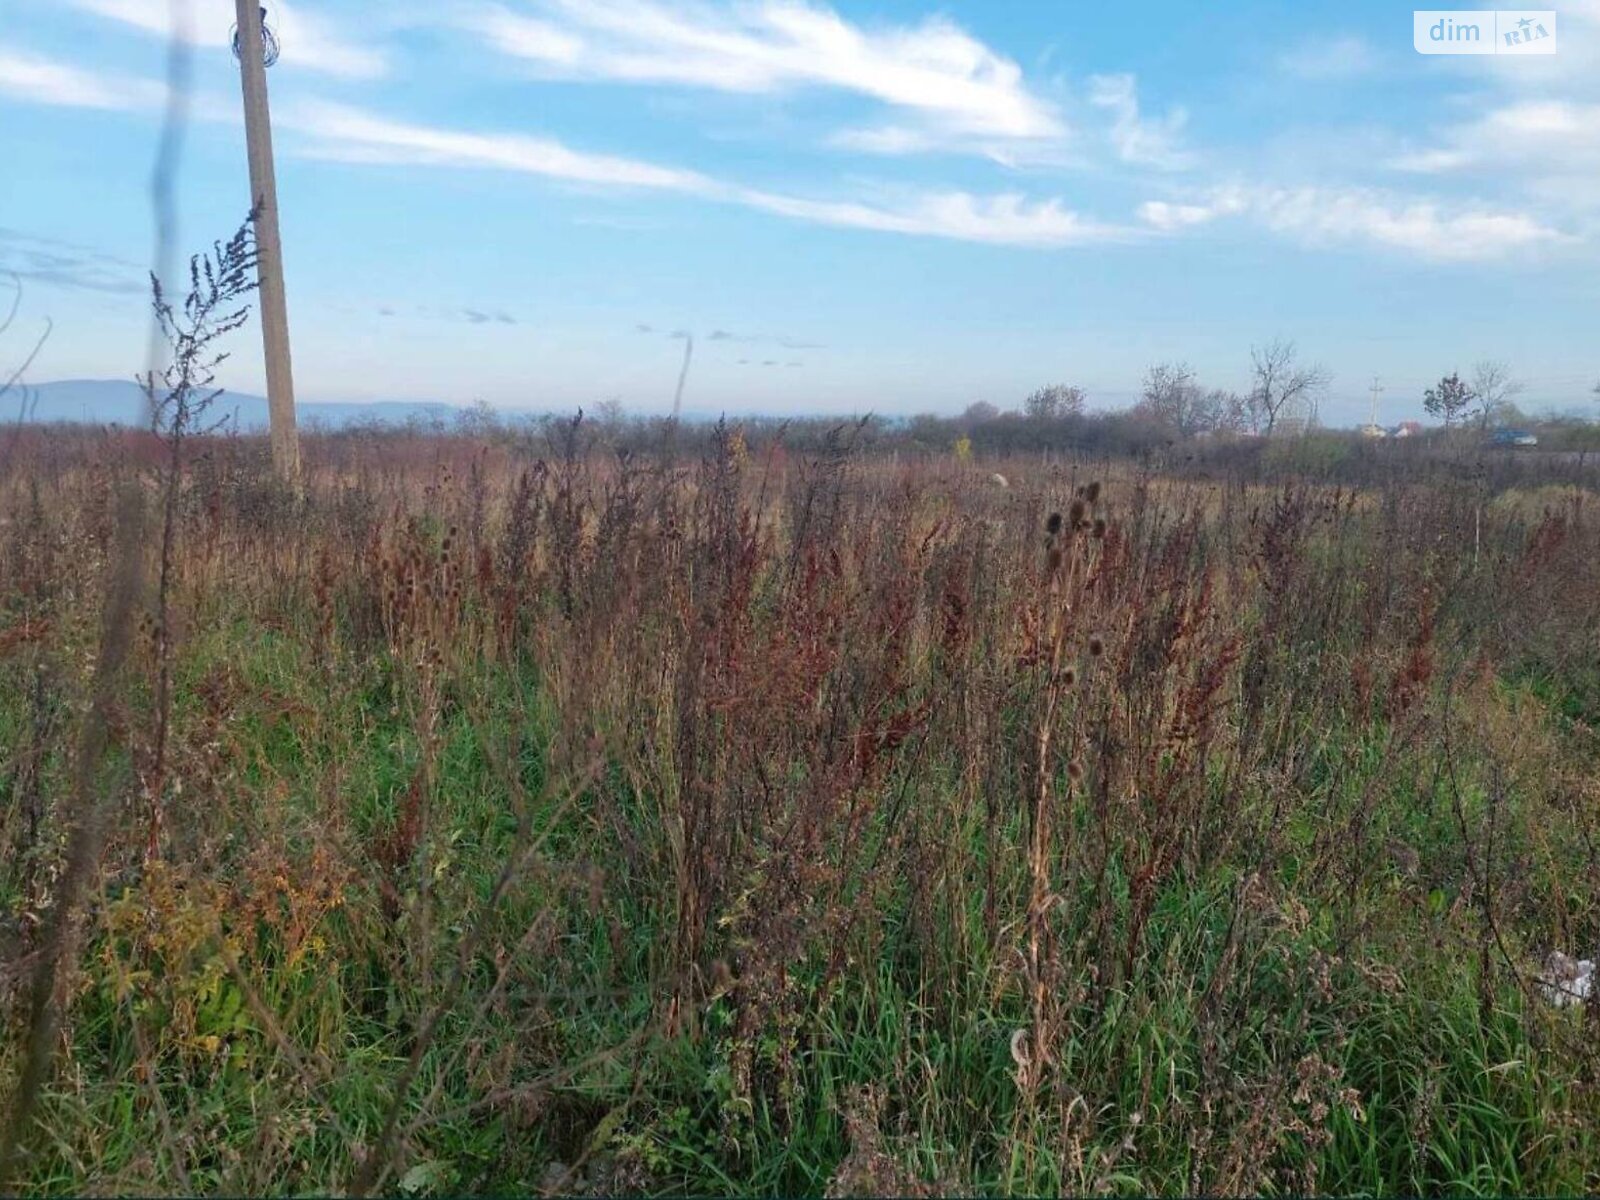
x=1296 y=418
x=1374 y=431
x=1406 y=429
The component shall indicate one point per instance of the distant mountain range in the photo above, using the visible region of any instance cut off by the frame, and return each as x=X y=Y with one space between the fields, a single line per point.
x=121 y=402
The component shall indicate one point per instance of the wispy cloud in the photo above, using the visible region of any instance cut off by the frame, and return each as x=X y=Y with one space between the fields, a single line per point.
x=1137 y=139
x=311 y=40
x=1537 y=132
x=947 y=85
x=1338 y=56
x=780 y=340
x=497 y=317
x=40 y=80
x=1006 y=219
x=901 y=141
x=1551 y=147
x=66 y=264
x=1321 y=216
x=1542 y=131
x=468 y=314
x=1167 y=217
x=888 y=140
x=1428 y=227
x=351 y=135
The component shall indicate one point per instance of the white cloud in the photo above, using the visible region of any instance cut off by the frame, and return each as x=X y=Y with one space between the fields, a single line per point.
x=1320 y=216
x=950 y=84
x=899 y=141
x=39 y=80
x=1334 y=57
x=1421 y=227
x=310 y=40
x=890 y=140
x=1139 y=140
x=1167 y=217
x=1536 y=127
x=344 y=133
x=350 y=135
x=1003 y=220
x=1543 y=133
x=152 y=16
x=1549 y=147
x=1428 y=162
x=945 y=90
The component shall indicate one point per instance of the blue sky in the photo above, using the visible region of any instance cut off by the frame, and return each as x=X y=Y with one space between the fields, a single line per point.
x=885 y=206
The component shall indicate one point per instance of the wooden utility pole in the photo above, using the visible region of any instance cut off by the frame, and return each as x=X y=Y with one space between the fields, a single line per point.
x=251 y=46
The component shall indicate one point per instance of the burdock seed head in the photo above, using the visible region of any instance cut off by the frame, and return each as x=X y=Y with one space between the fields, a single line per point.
x=1075 y=513
x=1092 y=493
x=1099 y=527
x=1053 y=525
x=1097 y=647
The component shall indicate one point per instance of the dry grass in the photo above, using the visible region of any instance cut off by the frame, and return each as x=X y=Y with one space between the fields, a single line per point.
x=533 y=817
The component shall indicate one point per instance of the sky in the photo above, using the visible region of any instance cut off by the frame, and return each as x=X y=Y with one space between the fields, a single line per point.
x=887 y=206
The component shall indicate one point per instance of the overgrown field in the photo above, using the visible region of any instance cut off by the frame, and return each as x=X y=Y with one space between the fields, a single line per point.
x=514 y=817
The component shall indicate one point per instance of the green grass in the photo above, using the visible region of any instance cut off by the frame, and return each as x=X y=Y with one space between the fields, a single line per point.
x=1303 y=1010
x=1139 y=1053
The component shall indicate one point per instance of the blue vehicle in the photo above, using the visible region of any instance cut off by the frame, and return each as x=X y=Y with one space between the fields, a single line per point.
x=1508 y=438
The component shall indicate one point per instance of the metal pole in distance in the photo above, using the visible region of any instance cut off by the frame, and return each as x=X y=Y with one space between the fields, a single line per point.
x=269 y=246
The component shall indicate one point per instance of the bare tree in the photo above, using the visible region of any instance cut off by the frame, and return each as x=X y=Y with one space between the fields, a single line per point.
x=1226 y=412
x=1053 y=402
x=979 y=413
x=1172 y=397
x=478 y=420
x=611 y=414
x=1280 y=381
x=1493 y=387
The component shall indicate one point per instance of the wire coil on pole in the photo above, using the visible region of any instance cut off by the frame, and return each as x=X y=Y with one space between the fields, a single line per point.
x=270 y=48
